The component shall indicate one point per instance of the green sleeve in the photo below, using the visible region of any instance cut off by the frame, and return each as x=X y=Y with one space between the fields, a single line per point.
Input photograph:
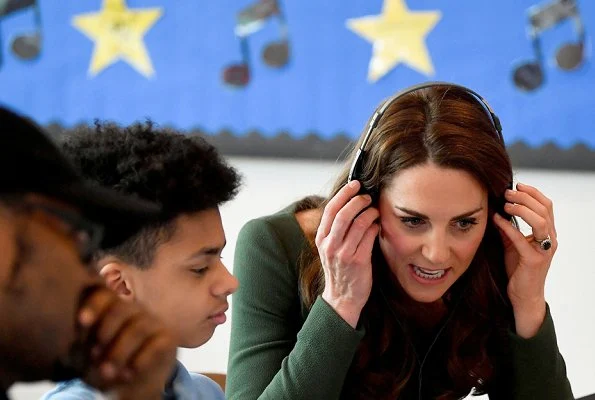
x=538 y=369
x=274 y=353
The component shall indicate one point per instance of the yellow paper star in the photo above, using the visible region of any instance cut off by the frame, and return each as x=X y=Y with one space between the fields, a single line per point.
x=397 y=35
x=118 y=34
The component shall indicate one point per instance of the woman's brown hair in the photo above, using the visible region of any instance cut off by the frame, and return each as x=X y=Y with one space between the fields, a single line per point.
x=448 y=127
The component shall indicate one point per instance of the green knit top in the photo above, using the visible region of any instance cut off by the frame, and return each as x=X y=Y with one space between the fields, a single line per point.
x=281 y=350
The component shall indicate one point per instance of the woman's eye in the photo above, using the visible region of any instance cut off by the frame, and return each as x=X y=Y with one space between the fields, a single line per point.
x=466 y=224
x=412 y=222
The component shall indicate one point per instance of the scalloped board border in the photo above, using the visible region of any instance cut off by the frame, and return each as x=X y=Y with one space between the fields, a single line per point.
x=548 y=156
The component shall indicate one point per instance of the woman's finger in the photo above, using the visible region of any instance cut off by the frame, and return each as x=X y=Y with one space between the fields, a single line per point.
x=516 y=237
x=334 y=206
x=364 y=249
x=347 y=216
x=540 y=226
x=544 y=200
x=525 y=199
x=359 y=227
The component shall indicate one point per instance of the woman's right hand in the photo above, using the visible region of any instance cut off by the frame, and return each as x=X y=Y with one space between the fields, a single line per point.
x=345 y=239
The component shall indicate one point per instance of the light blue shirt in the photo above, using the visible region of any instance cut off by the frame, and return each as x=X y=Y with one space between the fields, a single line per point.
x=186 y=386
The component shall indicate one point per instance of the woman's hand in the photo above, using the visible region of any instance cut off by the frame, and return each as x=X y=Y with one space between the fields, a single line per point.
x=345 y=239
x=527 y=264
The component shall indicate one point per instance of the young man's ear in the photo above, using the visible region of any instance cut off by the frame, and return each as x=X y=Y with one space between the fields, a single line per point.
x=116 y=277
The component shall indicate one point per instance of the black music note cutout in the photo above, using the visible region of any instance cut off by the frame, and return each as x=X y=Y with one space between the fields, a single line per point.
x=529 y=76
x=249 y=21
x=25 y=46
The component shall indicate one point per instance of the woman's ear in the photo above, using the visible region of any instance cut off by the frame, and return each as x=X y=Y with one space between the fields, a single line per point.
x=117 y=278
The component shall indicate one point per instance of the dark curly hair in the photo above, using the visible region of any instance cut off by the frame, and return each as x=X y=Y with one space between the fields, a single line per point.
x=183 y=174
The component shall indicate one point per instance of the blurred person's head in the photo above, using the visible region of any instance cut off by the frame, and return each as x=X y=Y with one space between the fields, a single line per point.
x=173 y=266
x=48 y=230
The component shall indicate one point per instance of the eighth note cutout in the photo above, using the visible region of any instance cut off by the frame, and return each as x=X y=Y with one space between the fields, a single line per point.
x=530 y=75
x=249 y=21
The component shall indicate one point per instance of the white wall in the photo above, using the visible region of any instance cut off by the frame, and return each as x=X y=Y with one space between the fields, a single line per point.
x=272 y=184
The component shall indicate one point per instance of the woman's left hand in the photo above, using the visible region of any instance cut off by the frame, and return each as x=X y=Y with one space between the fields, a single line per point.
x=527 y=263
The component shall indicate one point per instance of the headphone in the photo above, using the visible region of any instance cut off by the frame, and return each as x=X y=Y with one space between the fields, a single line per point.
x=356 y=166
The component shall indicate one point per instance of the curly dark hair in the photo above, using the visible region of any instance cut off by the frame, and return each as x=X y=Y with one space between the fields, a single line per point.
x=183 y=174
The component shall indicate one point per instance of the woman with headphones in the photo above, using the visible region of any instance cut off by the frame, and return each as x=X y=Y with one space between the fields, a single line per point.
x=412 y=280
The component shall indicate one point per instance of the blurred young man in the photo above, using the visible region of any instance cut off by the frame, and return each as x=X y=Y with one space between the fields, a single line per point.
x=57 y=319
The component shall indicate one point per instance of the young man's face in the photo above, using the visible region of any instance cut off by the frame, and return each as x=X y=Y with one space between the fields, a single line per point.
x=187 y=285
x=41 y=282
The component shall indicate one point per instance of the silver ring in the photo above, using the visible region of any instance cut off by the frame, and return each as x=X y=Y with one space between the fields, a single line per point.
x=545 y=244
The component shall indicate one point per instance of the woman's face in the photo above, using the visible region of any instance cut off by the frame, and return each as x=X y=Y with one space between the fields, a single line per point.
x=432 y=222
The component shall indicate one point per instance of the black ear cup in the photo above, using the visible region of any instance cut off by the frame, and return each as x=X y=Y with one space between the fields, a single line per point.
x=503 y=213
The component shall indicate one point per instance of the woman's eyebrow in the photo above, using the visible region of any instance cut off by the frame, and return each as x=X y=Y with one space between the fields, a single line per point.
x=422 y=216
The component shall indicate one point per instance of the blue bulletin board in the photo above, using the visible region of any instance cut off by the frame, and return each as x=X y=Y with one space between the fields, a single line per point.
x=300 y=78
